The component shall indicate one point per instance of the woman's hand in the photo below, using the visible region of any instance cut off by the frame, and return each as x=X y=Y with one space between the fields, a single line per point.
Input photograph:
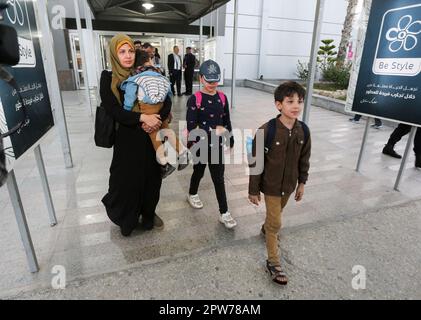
x=146 y=128
x=153 y=120
x=149 y=129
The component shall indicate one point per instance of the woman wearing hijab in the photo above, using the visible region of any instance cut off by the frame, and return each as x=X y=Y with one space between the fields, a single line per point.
x=135 y=176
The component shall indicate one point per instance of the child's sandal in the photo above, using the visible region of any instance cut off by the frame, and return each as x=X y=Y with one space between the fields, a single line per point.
x=277 y=274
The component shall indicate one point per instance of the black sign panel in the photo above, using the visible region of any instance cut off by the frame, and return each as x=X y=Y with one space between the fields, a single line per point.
x=30 y=77
x=389 y=81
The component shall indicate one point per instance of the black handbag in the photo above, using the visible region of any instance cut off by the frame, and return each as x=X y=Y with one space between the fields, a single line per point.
x=3 y=170
x=104 y=128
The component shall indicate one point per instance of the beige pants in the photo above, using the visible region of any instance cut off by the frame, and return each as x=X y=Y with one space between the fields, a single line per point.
x=273 y=224
x=150 y=109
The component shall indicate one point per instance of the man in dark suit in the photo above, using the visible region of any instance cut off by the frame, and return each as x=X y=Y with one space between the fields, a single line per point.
x=174 y=67
x=189 y=63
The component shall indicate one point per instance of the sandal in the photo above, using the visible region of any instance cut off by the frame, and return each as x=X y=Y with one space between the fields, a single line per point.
x=277 y=274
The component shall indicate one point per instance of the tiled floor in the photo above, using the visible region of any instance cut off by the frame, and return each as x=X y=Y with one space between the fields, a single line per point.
x=86 y=243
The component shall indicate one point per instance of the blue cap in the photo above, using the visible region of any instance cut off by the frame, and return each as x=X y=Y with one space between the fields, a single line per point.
x=210 y=71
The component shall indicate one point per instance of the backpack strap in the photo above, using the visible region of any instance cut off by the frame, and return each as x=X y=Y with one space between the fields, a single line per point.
x=198 y=96
x=271 y=131
x=223 y=98
x=306 y=131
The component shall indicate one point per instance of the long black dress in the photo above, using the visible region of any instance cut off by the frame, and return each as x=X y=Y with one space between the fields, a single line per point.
x=135 y=181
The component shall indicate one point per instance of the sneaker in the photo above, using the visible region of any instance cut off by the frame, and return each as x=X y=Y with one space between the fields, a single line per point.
x=183 y=160
x=166 y=170
x=227 y=220
x=388 y=150
x=354 y=121
x=418 y=162
x=195 y=201
x=377 y=126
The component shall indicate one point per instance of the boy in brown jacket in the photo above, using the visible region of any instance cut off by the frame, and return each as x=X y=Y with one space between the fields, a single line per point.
x=286 y=164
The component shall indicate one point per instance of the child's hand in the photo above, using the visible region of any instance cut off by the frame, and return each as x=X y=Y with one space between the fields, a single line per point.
x=299 y=193
x=220 y=130
x=254 y=199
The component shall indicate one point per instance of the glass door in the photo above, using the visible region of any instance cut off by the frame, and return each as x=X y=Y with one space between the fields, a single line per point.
x=77 y=61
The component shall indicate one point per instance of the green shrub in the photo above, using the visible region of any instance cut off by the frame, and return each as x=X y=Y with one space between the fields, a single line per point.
x=302 y=70
x=338 y=74
x=326 y=54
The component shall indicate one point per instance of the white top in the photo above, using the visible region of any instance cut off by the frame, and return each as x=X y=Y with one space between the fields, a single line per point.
x=177 y=62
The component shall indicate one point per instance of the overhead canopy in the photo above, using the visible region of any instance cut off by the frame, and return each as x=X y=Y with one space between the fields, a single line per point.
x=164 y=11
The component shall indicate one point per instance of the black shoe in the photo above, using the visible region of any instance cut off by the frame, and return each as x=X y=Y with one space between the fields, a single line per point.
x=180 y=95
x=417 y=162
x=388 y=150
x=158 y=223
x=125 y=232
x=166 y=170
x=183 y=160
x=147 y=226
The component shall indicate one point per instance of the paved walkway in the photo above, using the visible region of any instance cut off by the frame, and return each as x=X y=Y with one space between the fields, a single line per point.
x=346 y=219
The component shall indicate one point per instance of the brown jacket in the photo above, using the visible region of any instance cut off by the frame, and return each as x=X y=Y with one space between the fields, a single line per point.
x=286 y=164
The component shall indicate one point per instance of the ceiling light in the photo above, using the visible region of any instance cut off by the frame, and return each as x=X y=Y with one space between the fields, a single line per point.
x=147 y=5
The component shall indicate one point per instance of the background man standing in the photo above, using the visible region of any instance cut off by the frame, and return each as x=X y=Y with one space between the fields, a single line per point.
x=189 y=63
x=138 y=45
x=174 y=67
x=149 y=49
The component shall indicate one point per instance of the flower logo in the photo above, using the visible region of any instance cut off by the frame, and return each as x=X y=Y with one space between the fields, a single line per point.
x=212 y=69
x=404 y=36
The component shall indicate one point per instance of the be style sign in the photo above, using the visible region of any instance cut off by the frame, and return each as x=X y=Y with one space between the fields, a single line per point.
x=398 y=52
x=389 y=76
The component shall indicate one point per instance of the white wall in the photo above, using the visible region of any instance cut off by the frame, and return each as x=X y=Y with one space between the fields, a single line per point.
x=288 y=30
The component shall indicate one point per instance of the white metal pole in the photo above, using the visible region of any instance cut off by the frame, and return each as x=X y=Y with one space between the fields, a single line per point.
x=318 y=22
x=201 y=48
x=211 y=32
x=262 y=44
x=83 y=54
x=45 y=186
x=92 y=39
x=52 y=81
x=234 y=54
x=217 y=23
x=363 y=144
x=25 y=235
x=405 y=157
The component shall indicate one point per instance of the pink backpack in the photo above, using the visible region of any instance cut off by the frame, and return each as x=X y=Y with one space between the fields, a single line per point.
x=198 y=96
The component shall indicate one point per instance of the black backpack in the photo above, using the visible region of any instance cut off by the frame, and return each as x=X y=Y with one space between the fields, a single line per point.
x=272 y=131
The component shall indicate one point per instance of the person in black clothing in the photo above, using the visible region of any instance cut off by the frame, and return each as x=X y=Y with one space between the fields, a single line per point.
x=135 y=176
x=189 y=63
x=211 y=115
x=174 y=68
x=377 y=122
x=396 y=136
x=138 y=45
